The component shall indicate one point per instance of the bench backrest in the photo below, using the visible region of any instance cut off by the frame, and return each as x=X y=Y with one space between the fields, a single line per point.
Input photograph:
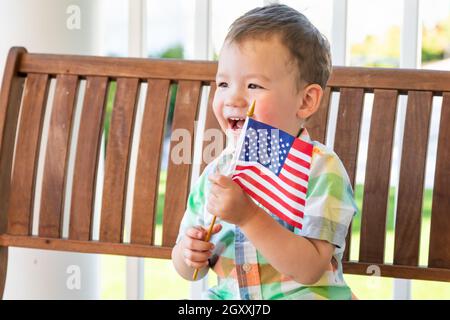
x=23 y=104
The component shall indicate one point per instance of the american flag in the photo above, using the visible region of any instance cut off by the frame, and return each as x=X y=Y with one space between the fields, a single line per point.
x=273 y=167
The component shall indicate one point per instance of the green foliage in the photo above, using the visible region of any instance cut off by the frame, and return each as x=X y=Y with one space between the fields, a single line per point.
x=377 y=51
x=436 y=41
x=384 y=50
x=174 y=52
x=109 y=106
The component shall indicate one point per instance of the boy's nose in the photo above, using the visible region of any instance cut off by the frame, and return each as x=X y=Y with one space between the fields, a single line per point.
x=237 y=101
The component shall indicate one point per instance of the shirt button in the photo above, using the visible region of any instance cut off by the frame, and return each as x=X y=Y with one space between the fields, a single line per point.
x=246 y=267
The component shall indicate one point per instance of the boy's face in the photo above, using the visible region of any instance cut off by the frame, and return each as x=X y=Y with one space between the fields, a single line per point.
x=260 y=70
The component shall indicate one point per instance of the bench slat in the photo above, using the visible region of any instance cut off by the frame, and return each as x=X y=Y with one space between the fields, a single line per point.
x=317 y=125
x=402 y=80
x=125 y=249
x=53 y=184
x=178 y=174
x=10 y=98
x=347 y=136
x=378 y=168
x=412 y=175
x=117 y=160
x=27 y=153
x=149 y=161
x=348 y=77
x=142 y=68
x=439 y=254
x=210 y=123
x=88 y=152
x=395 y=271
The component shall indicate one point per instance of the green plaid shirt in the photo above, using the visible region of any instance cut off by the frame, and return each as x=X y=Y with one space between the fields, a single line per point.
x=242 y=271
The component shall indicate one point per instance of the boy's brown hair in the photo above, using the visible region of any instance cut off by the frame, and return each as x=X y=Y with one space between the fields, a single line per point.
x=307 y=45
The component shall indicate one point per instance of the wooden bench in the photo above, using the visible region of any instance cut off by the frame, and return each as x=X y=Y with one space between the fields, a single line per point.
x=23 y=102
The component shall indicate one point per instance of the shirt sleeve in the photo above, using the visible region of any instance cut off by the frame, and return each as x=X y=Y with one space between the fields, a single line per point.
x=330 y=205
x=194 y=214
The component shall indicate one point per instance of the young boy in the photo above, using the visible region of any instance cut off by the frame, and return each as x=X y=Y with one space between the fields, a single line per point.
x=275 y=56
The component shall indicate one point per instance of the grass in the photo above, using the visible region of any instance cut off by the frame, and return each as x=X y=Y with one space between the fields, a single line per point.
x=162 y=281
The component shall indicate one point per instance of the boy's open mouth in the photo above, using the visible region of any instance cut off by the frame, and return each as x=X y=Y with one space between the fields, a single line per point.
x=235 y=123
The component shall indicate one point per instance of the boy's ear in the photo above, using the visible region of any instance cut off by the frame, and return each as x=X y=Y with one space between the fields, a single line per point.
x=312 y=95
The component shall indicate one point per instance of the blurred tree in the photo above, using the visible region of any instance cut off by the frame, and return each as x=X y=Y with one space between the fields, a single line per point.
x=384 y=50
x=377 y=51
x=436 y=41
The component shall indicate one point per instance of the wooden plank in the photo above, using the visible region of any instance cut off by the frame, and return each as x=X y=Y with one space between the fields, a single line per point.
x=403 y=272
x=317 y=124
x=211 y=123
x=53 y=184
x=376 y=185
x=88 y=152
x=347 y=137
x=3 y=268
x=149 y=161
x=10 y=98
x=133 y=250
x=341 y=77
x=402 y=80
x=142 y=68
x=412 y=174
x=439 y=254
x=117 y=160
x=178 y=174
x=27 y=154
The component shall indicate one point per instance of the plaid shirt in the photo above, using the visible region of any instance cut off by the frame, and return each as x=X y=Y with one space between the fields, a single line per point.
x=242 y=271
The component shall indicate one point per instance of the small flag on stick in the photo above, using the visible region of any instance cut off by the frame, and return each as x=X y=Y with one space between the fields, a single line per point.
x=273 y=168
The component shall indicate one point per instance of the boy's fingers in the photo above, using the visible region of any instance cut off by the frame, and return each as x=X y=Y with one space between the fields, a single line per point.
x=198 y=245
x=216 y=228
x=196 y=233
x=213 y=192
x=197 y=256
x=197 y=265
x=221 y=180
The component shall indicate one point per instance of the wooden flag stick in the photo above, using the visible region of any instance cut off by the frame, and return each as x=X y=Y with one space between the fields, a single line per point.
x=250 y=112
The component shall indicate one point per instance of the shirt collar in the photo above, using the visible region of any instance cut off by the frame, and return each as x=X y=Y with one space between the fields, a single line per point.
x=304 y=135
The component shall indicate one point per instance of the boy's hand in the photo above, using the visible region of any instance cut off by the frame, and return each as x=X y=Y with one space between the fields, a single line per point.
x=196 y=251
x=228 y=201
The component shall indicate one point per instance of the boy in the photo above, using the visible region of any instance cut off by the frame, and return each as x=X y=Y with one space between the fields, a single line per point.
x=275 y=56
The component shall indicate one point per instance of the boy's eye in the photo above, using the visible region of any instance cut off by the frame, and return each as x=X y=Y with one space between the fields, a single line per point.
x=254 y=86
x=222 y=85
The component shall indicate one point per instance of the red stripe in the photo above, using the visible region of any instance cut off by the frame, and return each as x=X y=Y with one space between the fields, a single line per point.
x=275 y=197
x=266 y=177
x=293 y=184
x=298 y=161
x=303 y=146
x=269 y=206
x=295 y=172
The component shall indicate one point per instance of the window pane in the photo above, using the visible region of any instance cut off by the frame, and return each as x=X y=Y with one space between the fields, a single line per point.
x=435 y=34
x=114 y=26
x=170 y=28
x=374 y=32
x=318 y=12
x=223 y=14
